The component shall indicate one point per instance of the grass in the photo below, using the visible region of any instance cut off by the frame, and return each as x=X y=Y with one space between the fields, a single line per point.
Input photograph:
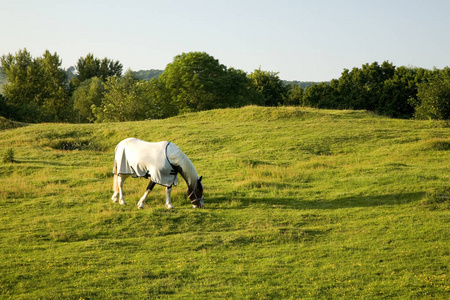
x=300 y=203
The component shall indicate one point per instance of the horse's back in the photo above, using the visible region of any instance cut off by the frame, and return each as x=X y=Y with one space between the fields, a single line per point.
x=137 y=144
x=140 y=158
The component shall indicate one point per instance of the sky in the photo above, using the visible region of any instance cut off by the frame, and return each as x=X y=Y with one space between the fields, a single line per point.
x=313 y=40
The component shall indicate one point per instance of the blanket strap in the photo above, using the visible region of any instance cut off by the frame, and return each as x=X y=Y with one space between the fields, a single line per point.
x=175 y=169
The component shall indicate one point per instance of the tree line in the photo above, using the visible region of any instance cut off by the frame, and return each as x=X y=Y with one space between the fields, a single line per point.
x=97 y=90
x=399 y=92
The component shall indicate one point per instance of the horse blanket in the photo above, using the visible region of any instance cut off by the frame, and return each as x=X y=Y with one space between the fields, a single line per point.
x=142 y=159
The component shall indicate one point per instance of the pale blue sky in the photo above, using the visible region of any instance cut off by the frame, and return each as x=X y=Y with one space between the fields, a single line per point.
x=310 y=40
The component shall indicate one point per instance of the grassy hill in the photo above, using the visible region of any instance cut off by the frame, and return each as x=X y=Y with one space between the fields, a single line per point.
x=300 y=203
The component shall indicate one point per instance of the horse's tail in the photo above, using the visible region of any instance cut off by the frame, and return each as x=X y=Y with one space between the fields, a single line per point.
x=115 y=184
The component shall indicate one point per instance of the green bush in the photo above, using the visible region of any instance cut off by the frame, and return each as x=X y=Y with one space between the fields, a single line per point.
x=8 y=157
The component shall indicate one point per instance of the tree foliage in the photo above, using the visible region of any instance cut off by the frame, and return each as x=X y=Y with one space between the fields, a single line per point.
x=89 y=93
x=294 y=95
x=197 y=81
x=90 y=66
x=433 y=98
x=269 y=86
x=384 y=89
x=37 y=89
x=125 y=99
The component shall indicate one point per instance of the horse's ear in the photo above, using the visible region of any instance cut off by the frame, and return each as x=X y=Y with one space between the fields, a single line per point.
x=200 y=179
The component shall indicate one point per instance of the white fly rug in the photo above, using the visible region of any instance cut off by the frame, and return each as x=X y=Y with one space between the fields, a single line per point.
x=142 y=159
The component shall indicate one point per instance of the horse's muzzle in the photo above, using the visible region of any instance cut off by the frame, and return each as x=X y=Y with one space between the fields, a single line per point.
x=198 y=203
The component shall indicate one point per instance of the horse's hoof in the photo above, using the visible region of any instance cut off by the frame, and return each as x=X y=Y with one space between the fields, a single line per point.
x=122 y=203
x=140 y=207
x=169 y=206
x=115 y=200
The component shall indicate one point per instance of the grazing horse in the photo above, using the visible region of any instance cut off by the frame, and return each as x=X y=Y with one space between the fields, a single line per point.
x=161 y=162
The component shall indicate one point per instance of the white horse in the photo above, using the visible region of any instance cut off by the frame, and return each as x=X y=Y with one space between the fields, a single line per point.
x=161 y=162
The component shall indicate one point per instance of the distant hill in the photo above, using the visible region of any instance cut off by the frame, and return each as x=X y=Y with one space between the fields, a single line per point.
x=148 y=74
x=303 y=84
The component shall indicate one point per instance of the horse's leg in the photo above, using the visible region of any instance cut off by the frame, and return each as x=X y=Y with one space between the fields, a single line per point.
x=168 y=202
x=115 y=196
x=141 y=202
x=120 y=181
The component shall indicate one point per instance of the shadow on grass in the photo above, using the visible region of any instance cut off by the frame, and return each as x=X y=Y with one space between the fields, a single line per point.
x=346 y=202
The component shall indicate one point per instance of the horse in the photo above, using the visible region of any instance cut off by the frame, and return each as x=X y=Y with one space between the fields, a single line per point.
x=161 y=162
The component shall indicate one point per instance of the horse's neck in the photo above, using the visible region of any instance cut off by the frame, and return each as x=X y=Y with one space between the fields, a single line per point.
x=188 y=172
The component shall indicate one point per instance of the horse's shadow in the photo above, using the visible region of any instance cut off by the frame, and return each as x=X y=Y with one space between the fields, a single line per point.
x=338 y=203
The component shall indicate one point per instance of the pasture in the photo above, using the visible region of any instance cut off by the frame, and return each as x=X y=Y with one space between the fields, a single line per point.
x=300 y=203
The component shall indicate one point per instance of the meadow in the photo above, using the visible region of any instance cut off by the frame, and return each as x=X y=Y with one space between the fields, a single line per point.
x=300 y=204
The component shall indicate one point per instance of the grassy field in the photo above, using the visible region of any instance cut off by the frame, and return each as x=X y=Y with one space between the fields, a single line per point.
x=300 y=203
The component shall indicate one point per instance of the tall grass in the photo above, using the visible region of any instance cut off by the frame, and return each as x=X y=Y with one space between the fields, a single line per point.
x=300 y=203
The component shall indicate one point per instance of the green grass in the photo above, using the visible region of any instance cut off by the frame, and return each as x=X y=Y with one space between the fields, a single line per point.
x=300 y=203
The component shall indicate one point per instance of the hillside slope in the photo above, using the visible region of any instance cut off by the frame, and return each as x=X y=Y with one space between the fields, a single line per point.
x=299 y=203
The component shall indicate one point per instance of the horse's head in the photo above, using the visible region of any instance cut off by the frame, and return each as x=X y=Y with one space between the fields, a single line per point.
x=195 y=194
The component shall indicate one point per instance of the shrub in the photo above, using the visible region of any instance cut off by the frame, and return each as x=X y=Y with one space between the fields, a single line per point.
x=8 y=157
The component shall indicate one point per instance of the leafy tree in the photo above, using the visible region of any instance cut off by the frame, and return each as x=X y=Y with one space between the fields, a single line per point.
x=197 y=81
x=125 y=99
x=20 y=92
x=318 y=95
x=4 y=108
x=236 y=90
x=36 y=90
x=91 y=66
x=191 y=81
x=362 y=88
x=54 y=97
x=90 y=92
x=399 y=90
x=433 y=97
x=294 y=95
x=162 y=106
x=270 y=86
x=383 y=89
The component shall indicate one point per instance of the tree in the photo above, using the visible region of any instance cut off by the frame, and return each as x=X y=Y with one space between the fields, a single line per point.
x=37 y=89
x=318 y=95
x=90 y=66
x=383 y=89
x=125 y=99
x=294 y=95
x=54 y=97
x=270 y=86
x=197 y=81
x=433 y=97
x=399 y=90
x=235 y=89
x=362 y=88
x=5 y=110
x=21 y=72
x=90 y=92
x=191 y=81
